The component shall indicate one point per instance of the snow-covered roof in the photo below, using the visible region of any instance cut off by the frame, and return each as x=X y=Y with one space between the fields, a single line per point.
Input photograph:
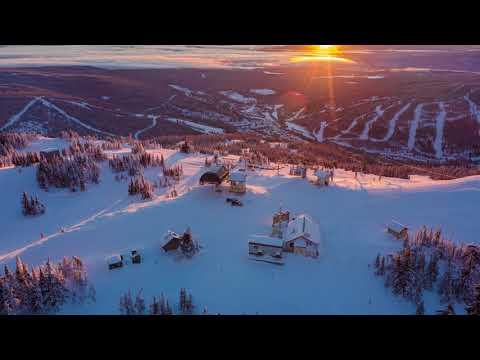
x=321 y=173
x=396 y=226
x=266 y=240
x=239 y=176
x=114 y=259
x=303 y=225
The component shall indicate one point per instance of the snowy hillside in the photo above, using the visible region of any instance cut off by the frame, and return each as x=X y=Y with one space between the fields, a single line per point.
x=351 y=213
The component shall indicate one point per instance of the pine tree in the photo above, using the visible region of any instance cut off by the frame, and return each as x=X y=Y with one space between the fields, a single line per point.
x=474 y=306
x=139 y=306
x=420 y=308
x=155 y=307
x=449 y=310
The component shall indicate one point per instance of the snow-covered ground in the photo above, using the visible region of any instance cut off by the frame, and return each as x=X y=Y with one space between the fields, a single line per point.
x=235 y=96
x=197 y=127
x=351 y=214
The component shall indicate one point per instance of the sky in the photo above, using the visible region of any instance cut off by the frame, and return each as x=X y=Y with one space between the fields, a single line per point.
x=192 y=56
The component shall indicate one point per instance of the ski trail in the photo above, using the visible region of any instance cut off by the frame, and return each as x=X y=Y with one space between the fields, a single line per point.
x=17 y=252
x=17 y=116
x=413 y=127
x=473 y=107
x=347 y=130
x=378 y=113
x=295 y=115
x=151 y=126
x=319 y=134
x=73 y=119
x=392 y=123
x=440 y=124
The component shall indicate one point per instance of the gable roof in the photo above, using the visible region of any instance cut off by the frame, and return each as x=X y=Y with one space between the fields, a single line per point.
x=238 y=176
x=303 y=225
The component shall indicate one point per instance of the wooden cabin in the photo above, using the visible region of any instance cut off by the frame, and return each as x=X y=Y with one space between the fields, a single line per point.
x=280 y=223
x=266 y=248
x=172 y=241
x=398 y=230
x=322 y=177
x=238 y=182
x=215 y=175
x=185 y=242
x=302 y=236
x=115 y=261
x=135 y=257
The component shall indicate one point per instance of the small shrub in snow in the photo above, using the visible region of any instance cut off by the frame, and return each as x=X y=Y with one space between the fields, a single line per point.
x=31 y=206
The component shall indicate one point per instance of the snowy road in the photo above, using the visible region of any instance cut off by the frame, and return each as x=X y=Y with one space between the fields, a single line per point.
x=151 y=126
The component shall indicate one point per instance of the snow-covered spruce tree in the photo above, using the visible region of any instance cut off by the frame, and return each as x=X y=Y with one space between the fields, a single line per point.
x=139 y=305
x=420 y=308
x=31 y=206
x=126 y=304
x=446 y=286
x=474 y=304
x=449 y=310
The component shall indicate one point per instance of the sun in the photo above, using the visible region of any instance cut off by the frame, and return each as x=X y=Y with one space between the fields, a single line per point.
x=330 y=49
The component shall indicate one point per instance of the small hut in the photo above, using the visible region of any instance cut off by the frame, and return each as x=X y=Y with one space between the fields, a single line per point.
x=172 y=241
x=280 y=222
x=184 y=242
x=298 y=171
x=398 y=230
x=114 y=262
x=135 y=257
x=238 y=182
x=322 y=177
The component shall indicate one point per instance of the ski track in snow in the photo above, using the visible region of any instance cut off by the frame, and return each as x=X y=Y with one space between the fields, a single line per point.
x=18 y=115
x=73 y=119
x=151 y=126
x=17 y=252
x=413 y=127
x=473 y=108
x=319 y=134
x=392 y=123
x=439 y=124
x=378 y=113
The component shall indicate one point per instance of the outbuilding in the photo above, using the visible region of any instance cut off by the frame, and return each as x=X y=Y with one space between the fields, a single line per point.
x=114 y=262
x=266 y=248
x=238 y=182
x=302 y=236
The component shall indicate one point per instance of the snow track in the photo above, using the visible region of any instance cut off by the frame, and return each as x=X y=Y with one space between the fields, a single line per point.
x=392 y=123
x=439 y=124
x=378 y=113
x=17 y=116
x=473 y=108
x=319 y=134
x=73 y=119
x=413 y=127
x=151 y=126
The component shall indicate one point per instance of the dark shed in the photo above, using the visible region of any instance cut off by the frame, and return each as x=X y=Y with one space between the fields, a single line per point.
x=215 y=175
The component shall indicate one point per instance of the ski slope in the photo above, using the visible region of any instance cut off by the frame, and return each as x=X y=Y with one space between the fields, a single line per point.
x=351 y=214
x=12 y=120
x=413 y=127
